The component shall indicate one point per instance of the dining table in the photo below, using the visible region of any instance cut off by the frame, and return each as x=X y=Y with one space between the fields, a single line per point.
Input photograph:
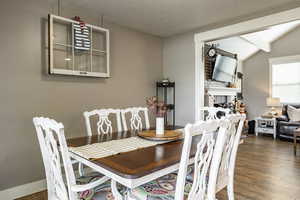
x=136 y=167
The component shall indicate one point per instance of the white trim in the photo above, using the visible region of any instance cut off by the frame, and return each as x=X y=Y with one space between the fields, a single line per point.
x=79 y=73
x=284 y=59
x=258 y=42
x=270 y=77
x=199 y=78
x=236 y=29
x=28 y=188
x=23 y=190
x=222 y=91
x=249 y=26
x=129 y=182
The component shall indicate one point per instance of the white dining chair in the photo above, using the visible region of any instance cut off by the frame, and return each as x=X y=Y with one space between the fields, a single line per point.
x=57 y=160
x=232 y=141
x=206 y=165
x=228 y=162
x=104 y=125
x=135 y=120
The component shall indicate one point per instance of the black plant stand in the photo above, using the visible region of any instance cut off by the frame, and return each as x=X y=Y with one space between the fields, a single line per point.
x=166 y=88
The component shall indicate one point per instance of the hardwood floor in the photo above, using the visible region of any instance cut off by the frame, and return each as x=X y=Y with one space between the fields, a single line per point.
x=265 y=170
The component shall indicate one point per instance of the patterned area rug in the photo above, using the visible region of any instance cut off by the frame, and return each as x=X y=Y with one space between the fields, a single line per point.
x=160 y=189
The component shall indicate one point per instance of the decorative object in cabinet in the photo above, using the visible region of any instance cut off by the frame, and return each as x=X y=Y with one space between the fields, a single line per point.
x=77 y=48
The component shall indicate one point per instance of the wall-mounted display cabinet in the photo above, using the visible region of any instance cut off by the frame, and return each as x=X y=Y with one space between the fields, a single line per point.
x=77 y=50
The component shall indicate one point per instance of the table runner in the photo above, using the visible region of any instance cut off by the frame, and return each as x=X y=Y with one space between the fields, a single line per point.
x=109 y=148
x=113 y=147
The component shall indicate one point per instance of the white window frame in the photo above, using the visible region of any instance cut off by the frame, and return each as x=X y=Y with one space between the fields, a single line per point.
x=54 y=70
x=278 y=61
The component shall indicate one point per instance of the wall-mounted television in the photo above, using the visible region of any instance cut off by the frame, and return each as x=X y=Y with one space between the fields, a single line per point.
x=224 y=69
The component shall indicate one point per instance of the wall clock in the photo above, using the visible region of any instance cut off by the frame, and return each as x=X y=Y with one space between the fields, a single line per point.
x=212 y=52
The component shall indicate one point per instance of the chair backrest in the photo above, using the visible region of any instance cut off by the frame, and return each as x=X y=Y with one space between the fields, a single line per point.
x=104 y=125
x=54 y=150
x=135 y=121
x=232 y=142
x=212 y=112
x=207 y=158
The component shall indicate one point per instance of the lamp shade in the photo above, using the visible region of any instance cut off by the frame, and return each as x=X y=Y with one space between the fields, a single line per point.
x=273 y=102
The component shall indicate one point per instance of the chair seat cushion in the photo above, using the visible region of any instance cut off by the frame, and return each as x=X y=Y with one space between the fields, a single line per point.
x=159 y=189
x=102 y=192
x=162 y=188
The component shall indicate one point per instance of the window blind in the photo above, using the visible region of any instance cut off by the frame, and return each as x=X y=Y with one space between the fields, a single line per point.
x=286 y=82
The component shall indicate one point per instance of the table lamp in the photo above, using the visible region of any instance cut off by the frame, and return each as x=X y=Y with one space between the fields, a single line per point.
x=273 y=102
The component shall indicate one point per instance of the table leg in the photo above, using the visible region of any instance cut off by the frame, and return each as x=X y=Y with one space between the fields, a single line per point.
x=275 y=127
x=256 y=127
x=295 y=143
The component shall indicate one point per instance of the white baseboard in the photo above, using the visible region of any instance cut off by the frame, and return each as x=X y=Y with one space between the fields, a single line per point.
x=23 y=190
x=29 y=188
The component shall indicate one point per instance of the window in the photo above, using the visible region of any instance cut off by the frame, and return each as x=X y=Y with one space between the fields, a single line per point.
x=285 y=79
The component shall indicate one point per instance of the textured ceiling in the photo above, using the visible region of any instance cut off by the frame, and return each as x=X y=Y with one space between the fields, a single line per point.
x=170 y=17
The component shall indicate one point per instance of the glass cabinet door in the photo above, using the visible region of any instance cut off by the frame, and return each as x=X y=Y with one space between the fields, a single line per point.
x=62 y=45
x=99 y=51
x=99 y=62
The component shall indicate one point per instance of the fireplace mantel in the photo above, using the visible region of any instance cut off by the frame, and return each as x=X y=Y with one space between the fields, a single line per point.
x=222 y=91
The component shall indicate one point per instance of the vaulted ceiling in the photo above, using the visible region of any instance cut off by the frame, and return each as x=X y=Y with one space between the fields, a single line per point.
x=249 y=44
x=169 y=17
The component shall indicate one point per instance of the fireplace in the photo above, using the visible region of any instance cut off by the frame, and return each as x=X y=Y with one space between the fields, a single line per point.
x=219 y=95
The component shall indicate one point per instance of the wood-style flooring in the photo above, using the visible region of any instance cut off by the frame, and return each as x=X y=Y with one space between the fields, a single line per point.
x=265 y=170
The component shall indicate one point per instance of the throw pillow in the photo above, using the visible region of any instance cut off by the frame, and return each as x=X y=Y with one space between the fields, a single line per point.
x=294 y=113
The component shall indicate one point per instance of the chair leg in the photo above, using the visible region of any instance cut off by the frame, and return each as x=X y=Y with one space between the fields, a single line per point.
x=129 y=197
x=115 y=191
x=80 y=169
x=230 y=191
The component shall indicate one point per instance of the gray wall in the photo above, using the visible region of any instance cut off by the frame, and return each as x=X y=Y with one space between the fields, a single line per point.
x=256 y=72
x=178 y=62
x=26 y=91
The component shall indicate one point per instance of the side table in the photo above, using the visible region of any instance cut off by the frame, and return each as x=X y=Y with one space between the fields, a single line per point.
x=265 y=125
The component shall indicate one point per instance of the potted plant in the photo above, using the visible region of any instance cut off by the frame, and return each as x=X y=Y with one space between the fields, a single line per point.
x=159 y=108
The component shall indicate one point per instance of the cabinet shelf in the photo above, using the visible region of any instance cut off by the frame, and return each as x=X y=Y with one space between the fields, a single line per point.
x=69 y=54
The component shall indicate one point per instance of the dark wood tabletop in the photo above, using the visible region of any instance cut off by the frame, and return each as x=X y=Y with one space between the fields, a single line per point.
x=140 y=162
